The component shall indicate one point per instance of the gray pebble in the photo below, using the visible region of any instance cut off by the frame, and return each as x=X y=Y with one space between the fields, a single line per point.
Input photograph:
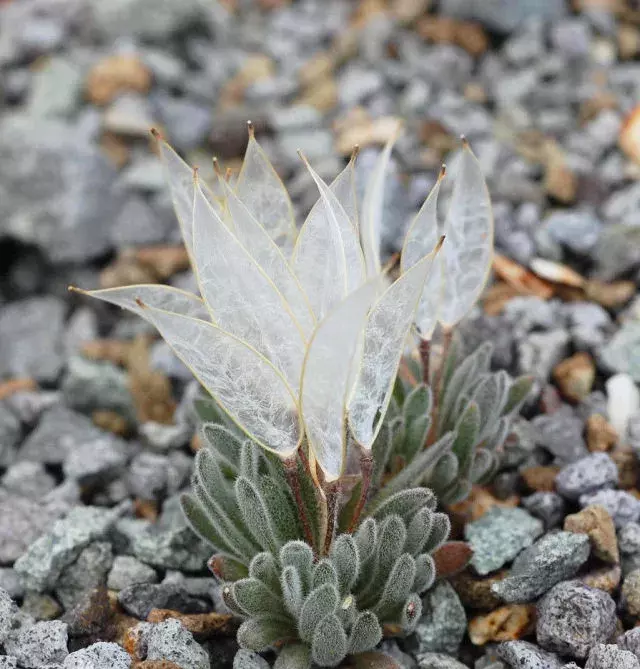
x=525 y=655
x=573 y=618
x=560 y=433
x=548 y=506
x=499 y=536
x=10 y=583
x=443 y=622
x=555 y=557
x=39 y=645
x=127 y=570
x=164 y=438
x=140 y=598
x=10 y=432
x=578 y=230
x=630 y=641
x=88 y=572
x=43 y=562
x=8 y=611
x=171 y=641
x=587 y=476
x=247 y=659
x=28 y=479
x=540 y=352
x=99 y=655
x=608 y=656
x=622 y=352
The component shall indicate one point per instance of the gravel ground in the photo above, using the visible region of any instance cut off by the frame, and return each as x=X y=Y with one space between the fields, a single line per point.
x=97 y=431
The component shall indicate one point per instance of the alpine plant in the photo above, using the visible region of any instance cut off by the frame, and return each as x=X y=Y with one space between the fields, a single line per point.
x=322 y=527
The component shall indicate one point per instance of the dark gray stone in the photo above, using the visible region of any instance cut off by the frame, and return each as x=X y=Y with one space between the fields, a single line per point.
x=499 y=536
x=8 y=611
x=548 y=506
x=577 y=230
x=607 y=656
x=127 y=571
x=99 y=655
x=630 y=641
x=140 y=598
x=39 y=645
x=443 y=622
x=89 y=571
x=56 y=191
x=525 y=655
x=10 y=432
x=147 y=475
x=586 y=476
x=573 y=618
x=31 y=334
x=555 y=557
x=96 y=462
x=44 y=561
x=540 y=352
x=560 y=433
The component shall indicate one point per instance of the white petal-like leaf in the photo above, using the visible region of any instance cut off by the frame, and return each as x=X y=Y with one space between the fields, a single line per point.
x=344 y=188
x=386 y=330
x=154 y=295
x=421 y=238
x=468 y=251
x=241 y=297
x=319 y=261
x=180 y=179
x=331 y=207
x=325 y=378
x=265 y=196
x=372 y=206
x=246 y=385
x=269 y=257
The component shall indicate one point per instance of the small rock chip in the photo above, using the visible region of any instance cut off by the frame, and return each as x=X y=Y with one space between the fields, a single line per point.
x=540 y=477
x=171 y=641
x=89 y=571
x=127 y=570
x=99 y=655
x=443 y=622
x=575 y=376
x=601 y=436
x=587 y=476
x=622 y=506
x=139 y=599
x=548 y=506
x=605 y=656
x=631 y=593
x=475 y=592
x=630 y=641
x=39 y=645
x=525 y=655
x=499 y=536
x=203 y=626
x=507 y=623
x=573 y=618
x=92 y=618
x=597 y=524
x=247 y=659
x=436 y=661
x=605 y=578
x=554 y=558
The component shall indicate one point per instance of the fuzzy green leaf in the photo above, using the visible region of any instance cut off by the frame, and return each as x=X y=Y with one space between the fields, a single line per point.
x=201 y=524
x=518 y=393
x=216 y=485
x=416 y=436
x=366 y=633
x=299 y=555
x=294 y=656
x=397 y=588
x=418 y=531
x=483 y=464
x=444 y=473
x=319 y=603
x=406 y=503
x=425 y=573
x=291 y=587
x=224 y=444
x=381 y=451
x=411 y=613
x=344 y=555
x=440 y=529
x=249 y=460
x=467 y=429
x=329 y=645
x=254 y=597
x=285 y=518
x=231 y=602
x=417 y=404
x=262 y=633
x=324 y=572
x=264 y=568
x=256 y=514
x=366 y=538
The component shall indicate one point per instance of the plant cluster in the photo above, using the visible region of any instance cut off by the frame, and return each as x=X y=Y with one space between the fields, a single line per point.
x=311 y=484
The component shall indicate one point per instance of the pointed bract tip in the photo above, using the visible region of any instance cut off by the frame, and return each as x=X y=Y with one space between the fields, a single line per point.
x=354 y=153
x=228 y=173
x=140 y=303
x=196 y=177
x=303 y=158
x=251 y=129
x=156 y=133
x=75 y=289
x=465 y=141
x=443 y=172
x=439 y=244
x=216 y=167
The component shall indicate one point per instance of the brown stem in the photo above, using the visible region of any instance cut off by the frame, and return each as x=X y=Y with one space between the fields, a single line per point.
x=437 y=385
x=425 y=352
x=291 y=470
x=366 y=467
x=332 y=492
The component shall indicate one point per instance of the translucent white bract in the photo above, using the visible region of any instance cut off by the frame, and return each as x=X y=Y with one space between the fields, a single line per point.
x=264 y=194
x=326 y=375
x=386 y=330
x=422 y=236
x=468 y=250
x=249 y=388
x=242 y=298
